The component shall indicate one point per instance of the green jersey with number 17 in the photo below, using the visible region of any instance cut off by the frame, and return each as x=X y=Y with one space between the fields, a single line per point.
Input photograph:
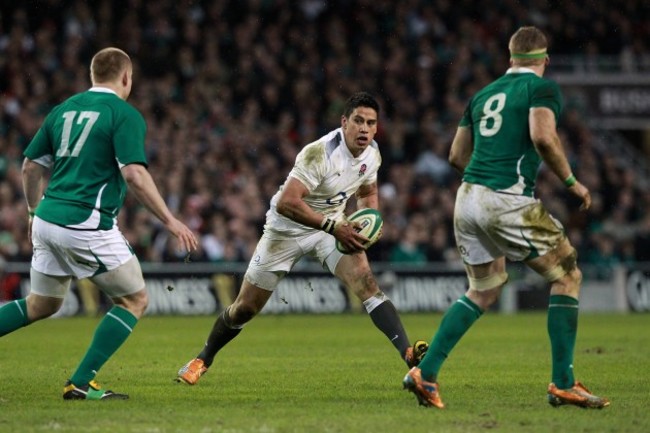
x=85 y=141
x=504 y=157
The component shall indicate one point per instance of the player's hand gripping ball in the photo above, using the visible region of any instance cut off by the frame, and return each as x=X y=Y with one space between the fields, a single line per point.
x=371 y=223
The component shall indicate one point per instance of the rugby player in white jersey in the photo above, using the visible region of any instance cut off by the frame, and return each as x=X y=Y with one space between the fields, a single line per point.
x=306 y=217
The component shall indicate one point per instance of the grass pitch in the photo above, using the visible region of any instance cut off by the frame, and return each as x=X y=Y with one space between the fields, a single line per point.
x=325 y=374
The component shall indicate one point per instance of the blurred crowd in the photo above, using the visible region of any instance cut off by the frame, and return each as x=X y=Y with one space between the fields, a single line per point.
x=232 y=90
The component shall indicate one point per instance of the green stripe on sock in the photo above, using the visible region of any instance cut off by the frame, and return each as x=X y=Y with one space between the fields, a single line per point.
x=13 y=315
x=562 y=329
x=455 y=323
x=110 y=334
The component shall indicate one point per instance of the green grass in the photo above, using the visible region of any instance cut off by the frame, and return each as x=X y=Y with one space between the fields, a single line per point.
x=325 y=374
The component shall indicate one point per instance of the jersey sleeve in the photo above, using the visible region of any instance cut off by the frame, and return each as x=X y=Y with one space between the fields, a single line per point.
x=547 y=94
x=129 y=136
x=310 y=166
x=466 y=120
x=40 y=149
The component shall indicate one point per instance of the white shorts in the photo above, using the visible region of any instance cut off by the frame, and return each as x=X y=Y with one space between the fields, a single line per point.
x=79 y=253
x=121 y=281
x=278 y=254
x=489 y=225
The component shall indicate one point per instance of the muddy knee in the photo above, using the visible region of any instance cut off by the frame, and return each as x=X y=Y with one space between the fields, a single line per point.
x=241 y=313
x=566 y=266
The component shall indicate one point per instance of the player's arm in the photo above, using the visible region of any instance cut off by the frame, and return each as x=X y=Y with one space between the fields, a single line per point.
x=544 y=136
x=461 y=148
x=368 y=196
x=33 y=182
x=143 y=187
x=291 y=204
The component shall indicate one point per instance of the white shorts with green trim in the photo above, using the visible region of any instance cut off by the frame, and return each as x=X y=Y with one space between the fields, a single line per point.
x=489 y=225
x=59 y=251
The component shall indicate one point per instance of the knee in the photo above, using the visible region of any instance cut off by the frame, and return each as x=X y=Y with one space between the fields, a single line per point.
x=569 y=284
x=484 y=299
x=364 y=285
x=242 y=312
x=135 y=303
x=575 y=275
x=142 y=300
x=42 y=307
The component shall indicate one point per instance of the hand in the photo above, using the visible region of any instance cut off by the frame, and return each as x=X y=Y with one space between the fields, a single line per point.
x=581 y=191
x=347 y=233
x=184 y=235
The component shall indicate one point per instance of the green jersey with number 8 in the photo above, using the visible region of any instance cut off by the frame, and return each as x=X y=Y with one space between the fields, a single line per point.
x=504 y=157
x=85 y=141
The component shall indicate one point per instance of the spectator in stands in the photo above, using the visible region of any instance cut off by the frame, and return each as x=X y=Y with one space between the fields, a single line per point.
x=241 y=86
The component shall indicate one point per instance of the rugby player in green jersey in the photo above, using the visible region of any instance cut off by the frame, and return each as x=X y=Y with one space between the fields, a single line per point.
x=507 y=130
x=93 y=146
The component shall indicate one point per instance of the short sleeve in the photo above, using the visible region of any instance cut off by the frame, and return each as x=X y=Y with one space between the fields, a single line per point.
x=40 y=149
x=310 y=165
x=466 y=120
x=129 y=136
x=546 y=93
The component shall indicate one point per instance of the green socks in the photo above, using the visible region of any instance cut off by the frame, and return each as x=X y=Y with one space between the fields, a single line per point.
x=562 y=328
x=456 y=321
x=111 y=332
x=13 y=315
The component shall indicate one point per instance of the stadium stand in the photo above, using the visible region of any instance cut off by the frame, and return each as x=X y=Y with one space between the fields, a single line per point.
x=232 y=90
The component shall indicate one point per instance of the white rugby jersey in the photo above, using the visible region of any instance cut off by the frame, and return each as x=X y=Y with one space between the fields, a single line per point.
x=331 y=174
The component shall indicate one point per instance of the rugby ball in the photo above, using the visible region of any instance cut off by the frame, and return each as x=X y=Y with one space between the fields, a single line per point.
x=371 y=223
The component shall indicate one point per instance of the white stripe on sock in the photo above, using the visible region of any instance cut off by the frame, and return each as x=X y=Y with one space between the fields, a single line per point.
x=466 y=305
x=120 y=320
x=20 y=309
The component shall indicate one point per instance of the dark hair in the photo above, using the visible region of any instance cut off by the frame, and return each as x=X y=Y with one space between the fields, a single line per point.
x=360 y=99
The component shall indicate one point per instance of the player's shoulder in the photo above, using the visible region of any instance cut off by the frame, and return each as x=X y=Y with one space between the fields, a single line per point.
x=69 y=104
x=325 y=146
x=543 y=81
x=545 y=88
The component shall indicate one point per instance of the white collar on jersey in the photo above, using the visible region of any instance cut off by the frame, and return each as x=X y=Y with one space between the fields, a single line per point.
x=519 y=70
x=102 y=89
